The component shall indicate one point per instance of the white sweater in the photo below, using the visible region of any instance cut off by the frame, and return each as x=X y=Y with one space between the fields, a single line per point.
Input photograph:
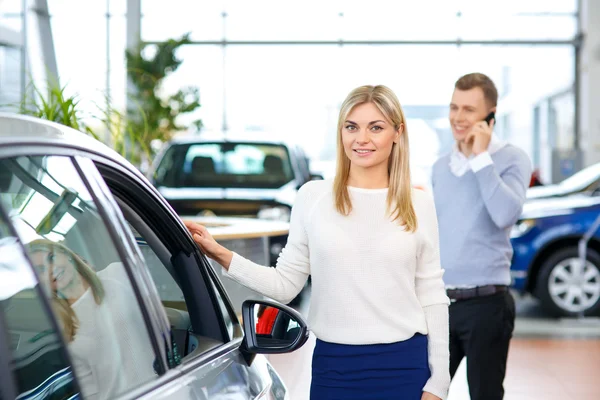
x=372 y=282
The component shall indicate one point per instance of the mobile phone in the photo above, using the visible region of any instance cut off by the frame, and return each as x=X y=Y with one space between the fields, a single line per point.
x=491 y=116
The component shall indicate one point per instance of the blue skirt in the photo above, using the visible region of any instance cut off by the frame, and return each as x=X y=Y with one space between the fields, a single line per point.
x=375 y=372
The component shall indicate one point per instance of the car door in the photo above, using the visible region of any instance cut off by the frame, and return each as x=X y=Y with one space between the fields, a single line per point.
x=78 y=313
x=206 y=330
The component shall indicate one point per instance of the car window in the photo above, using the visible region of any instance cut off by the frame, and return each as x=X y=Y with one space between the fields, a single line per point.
x=228 y=165
x=170 y=292
x=81 y=274
x=40 y=365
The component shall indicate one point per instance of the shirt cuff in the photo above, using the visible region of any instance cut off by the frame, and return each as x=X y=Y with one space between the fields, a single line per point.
x=481 y=161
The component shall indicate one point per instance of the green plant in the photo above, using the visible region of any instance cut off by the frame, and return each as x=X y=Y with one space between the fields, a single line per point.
x=54 y=105
x=159 y=113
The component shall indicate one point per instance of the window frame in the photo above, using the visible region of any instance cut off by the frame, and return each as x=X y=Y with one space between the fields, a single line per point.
x=169 y=229
x=127 y=186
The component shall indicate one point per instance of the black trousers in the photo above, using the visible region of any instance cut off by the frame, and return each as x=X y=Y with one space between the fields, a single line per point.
x=480 y=330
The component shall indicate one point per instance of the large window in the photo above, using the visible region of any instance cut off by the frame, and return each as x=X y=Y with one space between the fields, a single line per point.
x=240 y=20
x=284 y=68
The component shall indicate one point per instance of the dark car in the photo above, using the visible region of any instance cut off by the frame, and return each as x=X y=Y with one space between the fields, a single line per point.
x=228 y=177
x=103 y=293
x=585 y=181
x=546 y=258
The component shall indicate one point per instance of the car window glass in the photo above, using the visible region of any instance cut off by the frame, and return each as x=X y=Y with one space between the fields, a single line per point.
x=39 y=361
x=81 y=273
x=233 y=165
x=169 y=290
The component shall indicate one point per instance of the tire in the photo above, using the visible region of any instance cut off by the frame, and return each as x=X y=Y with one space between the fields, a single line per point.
x=563 y=294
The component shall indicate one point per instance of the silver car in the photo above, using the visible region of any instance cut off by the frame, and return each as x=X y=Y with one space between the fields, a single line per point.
x=103 y=293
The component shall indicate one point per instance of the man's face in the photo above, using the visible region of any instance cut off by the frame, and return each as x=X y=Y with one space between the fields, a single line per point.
x=466 y=109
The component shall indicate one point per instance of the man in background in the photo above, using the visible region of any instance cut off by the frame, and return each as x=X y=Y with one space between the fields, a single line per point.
x=479 y=191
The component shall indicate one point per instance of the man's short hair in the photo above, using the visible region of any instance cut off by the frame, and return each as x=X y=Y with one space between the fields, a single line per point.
x=473 y=80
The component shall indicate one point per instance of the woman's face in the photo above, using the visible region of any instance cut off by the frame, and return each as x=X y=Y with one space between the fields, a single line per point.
x=55 y=268
x=368 y=137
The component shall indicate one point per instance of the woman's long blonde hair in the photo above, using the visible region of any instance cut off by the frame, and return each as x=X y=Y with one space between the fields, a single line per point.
x=64 y=311
x=399 y=198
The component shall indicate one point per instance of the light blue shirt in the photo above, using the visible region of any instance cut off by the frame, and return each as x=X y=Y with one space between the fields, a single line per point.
x=476 y=212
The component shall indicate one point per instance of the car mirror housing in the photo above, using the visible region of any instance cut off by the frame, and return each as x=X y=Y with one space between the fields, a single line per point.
x=272 y=328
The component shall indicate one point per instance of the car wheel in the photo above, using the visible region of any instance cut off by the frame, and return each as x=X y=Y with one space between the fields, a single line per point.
x=567 y=289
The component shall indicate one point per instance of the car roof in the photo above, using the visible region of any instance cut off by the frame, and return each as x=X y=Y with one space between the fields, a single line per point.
x=23 y=130
x=237 y=137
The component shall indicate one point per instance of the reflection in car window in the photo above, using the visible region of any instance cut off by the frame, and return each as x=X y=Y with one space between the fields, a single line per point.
x=81 y=272
x=229 y=165
x=39 y=361
x=169 y=291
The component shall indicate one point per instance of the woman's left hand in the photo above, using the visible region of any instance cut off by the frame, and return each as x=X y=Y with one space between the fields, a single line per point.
x=429 y=396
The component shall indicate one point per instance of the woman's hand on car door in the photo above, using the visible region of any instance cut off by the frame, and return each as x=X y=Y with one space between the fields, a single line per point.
x=208 y=244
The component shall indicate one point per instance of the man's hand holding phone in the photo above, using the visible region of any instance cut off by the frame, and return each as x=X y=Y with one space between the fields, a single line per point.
x=480 y=136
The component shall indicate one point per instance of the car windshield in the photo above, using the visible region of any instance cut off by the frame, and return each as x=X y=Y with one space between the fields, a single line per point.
x=581 y=179
x=225 y=165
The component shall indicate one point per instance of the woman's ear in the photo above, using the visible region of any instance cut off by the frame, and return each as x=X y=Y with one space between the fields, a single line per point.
x=398 y=133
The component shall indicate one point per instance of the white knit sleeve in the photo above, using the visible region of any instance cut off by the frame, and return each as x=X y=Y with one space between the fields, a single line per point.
x=438 y=349
x=429 y=284
x=286 y=280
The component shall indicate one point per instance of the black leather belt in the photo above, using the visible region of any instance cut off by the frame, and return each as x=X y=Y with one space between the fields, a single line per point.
x=479 y=291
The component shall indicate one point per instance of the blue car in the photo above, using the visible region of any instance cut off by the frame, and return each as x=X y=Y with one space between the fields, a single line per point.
x=546 y=259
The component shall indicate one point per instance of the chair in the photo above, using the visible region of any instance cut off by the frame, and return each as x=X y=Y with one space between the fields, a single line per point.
x=203 y=169
x=273 y=165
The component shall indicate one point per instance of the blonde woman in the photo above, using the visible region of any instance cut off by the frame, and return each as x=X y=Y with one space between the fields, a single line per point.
x=99 y=318
x=378 y=309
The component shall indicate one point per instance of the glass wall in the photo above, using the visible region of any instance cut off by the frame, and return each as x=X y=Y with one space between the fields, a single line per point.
x=11 y=57
x=284 y=68
x=406 y=20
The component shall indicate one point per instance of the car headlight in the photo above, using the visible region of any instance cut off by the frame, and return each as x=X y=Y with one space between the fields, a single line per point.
x=521 y=228
x=279 y=213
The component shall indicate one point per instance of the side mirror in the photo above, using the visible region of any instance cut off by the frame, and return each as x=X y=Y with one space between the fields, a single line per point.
x=272 y=328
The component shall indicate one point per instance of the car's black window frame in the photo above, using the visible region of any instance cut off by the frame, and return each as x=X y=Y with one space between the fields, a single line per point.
x=139 y=195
